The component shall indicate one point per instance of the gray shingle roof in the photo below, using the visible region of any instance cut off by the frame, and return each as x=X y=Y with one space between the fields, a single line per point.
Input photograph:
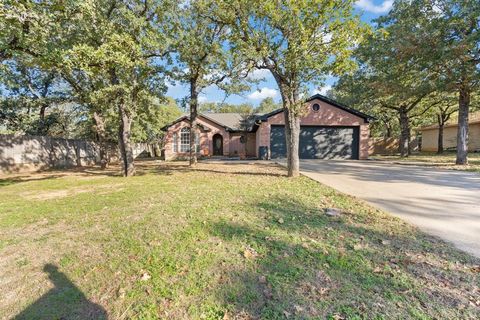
x=240 y=122
x=234 y=121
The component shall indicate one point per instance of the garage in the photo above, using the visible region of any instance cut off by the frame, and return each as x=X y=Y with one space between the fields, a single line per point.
x=318 y=142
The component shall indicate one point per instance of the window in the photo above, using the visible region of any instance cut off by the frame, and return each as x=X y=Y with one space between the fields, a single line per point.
x=185 y=140
x=184 y=145
x=316 y=107
x=175 y=142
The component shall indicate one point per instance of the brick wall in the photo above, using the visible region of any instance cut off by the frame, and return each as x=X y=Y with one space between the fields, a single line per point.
x=206 y=139
x=328 y=115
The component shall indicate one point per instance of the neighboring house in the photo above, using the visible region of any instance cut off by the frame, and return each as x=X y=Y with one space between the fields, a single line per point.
x=329 y=130
x=430 y=135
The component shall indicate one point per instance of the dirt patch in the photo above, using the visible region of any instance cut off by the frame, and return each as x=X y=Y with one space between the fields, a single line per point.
x=57 y=194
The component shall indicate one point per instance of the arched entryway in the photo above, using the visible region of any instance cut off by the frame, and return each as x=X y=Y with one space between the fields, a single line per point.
x=217 y=145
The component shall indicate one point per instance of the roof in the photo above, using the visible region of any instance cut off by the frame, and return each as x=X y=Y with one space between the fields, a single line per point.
x=232 y=121
x=229 y=121
x=332 y=102
x=474 y=118
x=339 y=105
x=240 y=122
x=448 y=125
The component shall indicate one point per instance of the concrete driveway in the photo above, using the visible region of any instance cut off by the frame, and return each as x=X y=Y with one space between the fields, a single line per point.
x=444 y=203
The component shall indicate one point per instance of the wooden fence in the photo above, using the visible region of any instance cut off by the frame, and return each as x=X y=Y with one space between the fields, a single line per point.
x=30 y=153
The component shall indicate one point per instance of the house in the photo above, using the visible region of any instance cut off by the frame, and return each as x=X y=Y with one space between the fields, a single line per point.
x=430 y=135
x=329 y=130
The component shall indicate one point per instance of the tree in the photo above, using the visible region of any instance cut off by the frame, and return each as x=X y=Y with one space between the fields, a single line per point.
x=200 y=48
x=151 y=119
x=29 y=91
x=440 y=114
x=223 y=107
x=299 y=42
x=267 y=105
x=456 y=29
x=443 y=115
x=392 y=76
x=446 y=33
x=125 y=60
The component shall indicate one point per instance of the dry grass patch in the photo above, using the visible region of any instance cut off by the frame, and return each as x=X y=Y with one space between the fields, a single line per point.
x=431 y=159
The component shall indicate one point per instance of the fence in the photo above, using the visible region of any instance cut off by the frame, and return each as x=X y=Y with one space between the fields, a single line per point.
x=29 y=153
x=385 y=146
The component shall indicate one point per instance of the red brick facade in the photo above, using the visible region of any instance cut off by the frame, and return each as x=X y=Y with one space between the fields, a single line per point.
x=328 y=115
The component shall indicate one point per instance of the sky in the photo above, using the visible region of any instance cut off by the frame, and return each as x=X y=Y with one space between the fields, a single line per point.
x=367 y=9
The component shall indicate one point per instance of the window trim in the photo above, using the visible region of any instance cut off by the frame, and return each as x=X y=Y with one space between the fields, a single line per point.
x=179 y=145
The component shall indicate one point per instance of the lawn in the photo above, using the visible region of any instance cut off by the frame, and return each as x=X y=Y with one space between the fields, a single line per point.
x=221 y=241
x=445 y=160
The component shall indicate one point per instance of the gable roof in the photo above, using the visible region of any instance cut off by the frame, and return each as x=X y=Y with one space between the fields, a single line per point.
x=235 y=121
x=232 y=121
x=332 y=102
x=341 y=106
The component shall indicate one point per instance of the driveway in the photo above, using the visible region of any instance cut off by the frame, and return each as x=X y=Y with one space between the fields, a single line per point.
x=444 y=203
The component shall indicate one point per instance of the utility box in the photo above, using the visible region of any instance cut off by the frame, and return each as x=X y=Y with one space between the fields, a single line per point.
x=263 y=153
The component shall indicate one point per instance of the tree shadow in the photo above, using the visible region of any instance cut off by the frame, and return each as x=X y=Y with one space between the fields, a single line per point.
x=310 y=265
x=240 y=168
x=63 y=301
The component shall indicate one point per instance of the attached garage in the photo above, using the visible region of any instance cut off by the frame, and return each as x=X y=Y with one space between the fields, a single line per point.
x=328 y=130
x=318 y=142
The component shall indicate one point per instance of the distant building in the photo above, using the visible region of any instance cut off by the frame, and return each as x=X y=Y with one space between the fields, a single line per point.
x=430 y=135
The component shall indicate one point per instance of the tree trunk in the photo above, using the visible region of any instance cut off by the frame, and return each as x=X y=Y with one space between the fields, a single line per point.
x=43 y=108
x=404 y=143
x=125 y=144
x=156 y=149
x=292 y=136
x=388 y=130
x=462 y=133
x=290 y=101
x=193 y=120
x=440 y=139
x=101 y=139
x=441 y=125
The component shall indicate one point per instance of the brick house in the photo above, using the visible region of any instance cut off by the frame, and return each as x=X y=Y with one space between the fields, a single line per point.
x=329 y=130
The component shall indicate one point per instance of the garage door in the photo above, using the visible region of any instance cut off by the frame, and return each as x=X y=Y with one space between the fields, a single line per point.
x=318 y=142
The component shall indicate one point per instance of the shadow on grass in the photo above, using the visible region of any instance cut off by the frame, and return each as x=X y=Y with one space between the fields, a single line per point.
x=63 y=301
x=310 y=265
x=14 y=180
x=234 y=168
x=143 y=167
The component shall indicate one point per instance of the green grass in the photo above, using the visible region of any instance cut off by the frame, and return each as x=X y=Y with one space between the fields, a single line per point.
x=236 y=241
x=445 y=160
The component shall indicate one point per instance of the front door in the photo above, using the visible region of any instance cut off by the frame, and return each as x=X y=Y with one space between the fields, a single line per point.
x=217 y=145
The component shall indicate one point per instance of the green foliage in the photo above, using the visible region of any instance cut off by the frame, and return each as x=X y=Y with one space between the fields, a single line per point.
x=29 y=95
x=267 y=105
x=152 y=118
x=226 y=107
x=201 y=51
x=300 y=42
x=418 y=56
